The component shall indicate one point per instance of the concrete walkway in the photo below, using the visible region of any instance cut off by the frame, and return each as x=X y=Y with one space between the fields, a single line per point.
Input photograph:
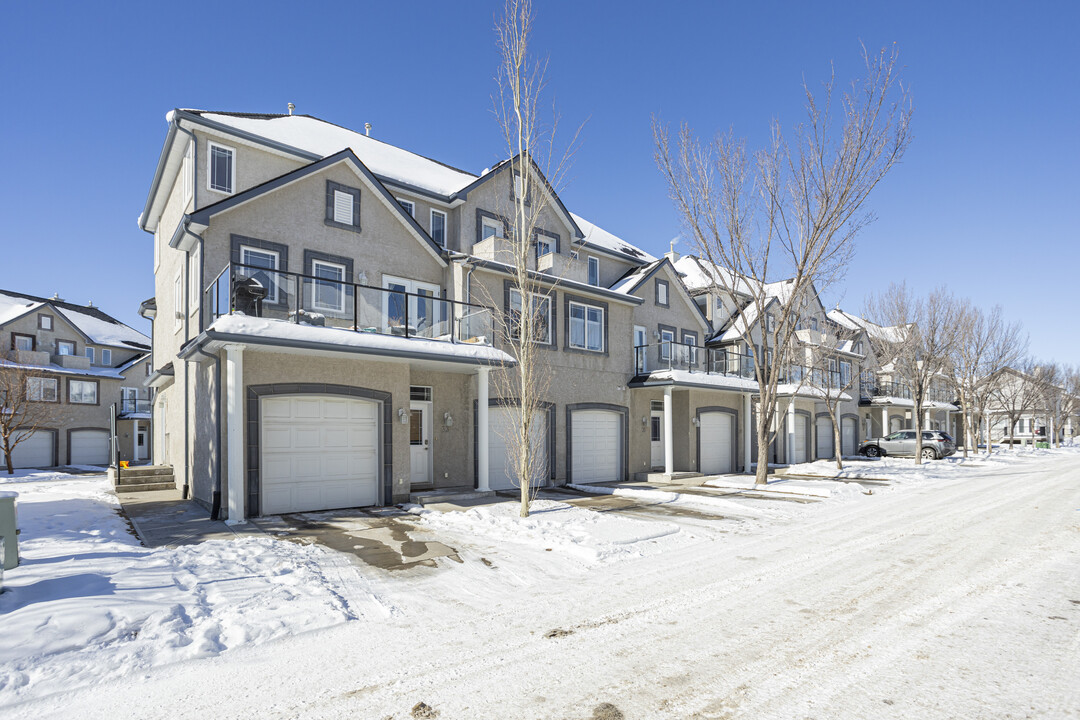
x=162 y=519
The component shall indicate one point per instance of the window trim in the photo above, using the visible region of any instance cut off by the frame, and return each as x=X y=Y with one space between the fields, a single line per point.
x=690 y=339
x=187 y=172
x=97 y=392
x=340 y=283
x=106 y=357
x=210 y=145
x=494 y=224
x=445 y=227
x=665 y=350
x=412 y=206
x=72 y=343
x=33 y=341
x=577 y=302
x=91 y=354
x=272 y=298
x=42 y=317
x=55 y=385
x=330 y=216
x=593 y=262
x=194 y=259
x=549 y=299
x=661 y=283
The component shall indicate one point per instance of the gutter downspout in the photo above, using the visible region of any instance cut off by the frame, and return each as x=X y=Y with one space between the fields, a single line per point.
x=215 y=503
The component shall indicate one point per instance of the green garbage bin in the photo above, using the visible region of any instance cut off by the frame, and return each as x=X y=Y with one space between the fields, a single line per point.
x=9 y=530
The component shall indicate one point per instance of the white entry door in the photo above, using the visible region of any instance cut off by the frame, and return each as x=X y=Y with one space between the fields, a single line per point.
x=420 y=442
x=89 y=447
x=849 y=428
x=824 y=437
x=799 y=456
x=140 y=444
x=502 y=459
x=319 y=452
x=595 y=445
x=35 y=451
x=716 y=447
x=656 y=436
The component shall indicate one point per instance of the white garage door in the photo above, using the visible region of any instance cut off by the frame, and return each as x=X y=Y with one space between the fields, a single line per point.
x=800 y=439
x=715 y=443
x=34 y=452
x=849 y=427
x=90 y=447
x=319 y=452
x=824 y=438
x=502 y=464
x=595 y=443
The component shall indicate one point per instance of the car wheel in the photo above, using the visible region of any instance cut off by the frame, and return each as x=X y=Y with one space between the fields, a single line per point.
x=929 y=454
x=872 y=451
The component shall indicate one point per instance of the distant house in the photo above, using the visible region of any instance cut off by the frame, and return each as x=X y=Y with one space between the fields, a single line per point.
x=86 y=361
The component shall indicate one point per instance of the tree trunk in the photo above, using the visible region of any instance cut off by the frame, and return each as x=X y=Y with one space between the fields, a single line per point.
x=918 y=432
x=7 y=457
x=964 y=420
x=838 y=446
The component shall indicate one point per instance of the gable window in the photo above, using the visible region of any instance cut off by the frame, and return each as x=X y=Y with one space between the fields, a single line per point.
x=41 y=390
x=491 y=228
x=89 y=352
x=266 y=259
x=409 y=205
x=586 y=327
x=45 y=322
x=541 y=312
x=662 y=293
x=667 y=339
x=328 y=293
x=594 y=271
x=438 y=227
x=519 y=187
x=65 y=347
x=106 y=356
x=343 y=207
x=22 y=342
x=858 y=348
x=222 y=160
x=82 y=392
x=178 y=301
x=813 y=324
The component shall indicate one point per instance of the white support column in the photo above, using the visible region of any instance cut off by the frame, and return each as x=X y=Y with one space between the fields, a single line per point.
x=669 y=435
x=926 y=420
x=482 y=429
x=884 y=421
x=749 y=431
x=234 y=419
x=789 y=447
x=1053 y=435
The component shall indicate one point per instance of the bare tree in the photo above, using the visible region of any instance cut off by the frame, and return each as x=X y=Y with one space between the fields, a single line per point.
x=28 y=402
x=1056 y=387
x=920 y=339
x=834 y=373
x=533 y=170
x=790 y=211
x=1014 y=394
x=1007 y=344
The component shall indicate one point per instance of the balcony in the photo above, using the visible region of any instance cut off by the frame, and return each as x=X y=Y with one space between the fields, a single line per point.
x=331 y=303
x=132 y=405
x=668 y=355
x=870 y=388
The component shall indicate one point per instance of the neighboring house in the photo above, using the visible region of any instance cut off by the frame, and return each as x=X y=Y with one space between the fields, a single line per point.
x=88 y=362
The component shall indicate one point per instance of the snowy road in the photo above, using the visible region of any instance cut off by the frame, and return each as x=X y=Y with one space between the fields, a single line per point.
x=953 y=598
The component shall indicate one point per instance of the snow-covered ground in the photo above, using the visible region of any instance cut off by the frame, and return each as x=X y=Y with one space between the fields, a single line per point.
x=950 y=593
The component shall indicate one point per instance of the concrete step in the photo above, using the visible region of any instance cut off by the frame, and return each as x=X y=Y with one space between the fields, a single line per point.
x=429 y=497
x=676 y=478
x=145 y=487
x=147 y=470
x=143 y=480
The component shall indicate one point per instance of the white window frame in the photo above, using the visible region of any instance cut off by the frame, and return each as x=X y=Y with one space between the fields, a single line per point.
x=210 y=145
x=594 y=264
x=188 y=172
x=662 y=291
x=194 y=291
x=46 y=322
x=438 y=213
x=272 y=295
x=544 y=241
x=83 y=384
x=667 y=340
x=339 y=283
x=585 y=323
x=66 y=342
x=492 y=224
x=90 y=353
x=20 y=337
x=157 y=248
x=690 y=342
x=534 y=298
x=106 y=356
x=178 y=301
x=413 y=288
x=640 y=333
x=519 y=185
x=352 y=207
x=411 y=206
x=35 y=389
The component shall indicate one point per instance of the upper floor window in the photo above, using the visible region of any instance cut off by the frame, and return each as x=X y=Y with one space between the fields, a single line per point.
x=586 y=327
x=22 y=342
x=491 y=228
x=519 y=187
x=267 y=259
x=41 y=389
x=667 y=339
x=543 y=246
x=82 y=392
x=690 y=341
x=91 y=354
x=662 y=290
x=813 y=323
x=106 y=356
x=541 y=316
x=409 y=205
x=65 y=347
x=343 y=207
x=845 y=372
x=329 y=293
x=594 y=271
x=858 y=348
x=438 y=227
x=222 y=162
x=770 y=323
x=45 y=322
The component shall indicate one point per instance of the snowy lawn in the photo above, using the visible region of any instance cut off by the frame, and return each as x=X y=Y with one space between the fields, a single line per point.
x=89 y=602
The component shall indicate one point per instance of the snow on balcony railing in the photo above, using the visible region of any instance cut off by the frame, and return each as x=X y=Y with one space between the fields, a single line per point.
x=668 y=355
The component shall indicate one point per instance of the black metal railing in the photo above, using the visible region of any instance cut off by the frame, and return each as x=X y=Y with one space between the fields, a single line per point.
x=130 y=405
x=870 y=388
x=330 y=302
x=670 y=355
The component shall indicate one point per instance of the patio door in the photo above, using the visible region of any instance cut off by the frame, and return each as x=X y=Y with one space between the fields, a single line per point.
x=420 y=442
x=641 y=355
x=413 y=305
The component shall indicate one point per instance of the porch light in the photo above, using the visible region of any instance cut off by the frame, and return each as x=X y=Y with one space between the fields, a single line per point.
x=403 y=416
x=697 y=423
x=448 y=420
x=644 y=422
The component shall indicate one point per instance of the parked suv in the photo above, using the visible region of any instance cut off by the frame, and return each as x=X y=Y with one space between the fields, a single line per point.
x=936 y=444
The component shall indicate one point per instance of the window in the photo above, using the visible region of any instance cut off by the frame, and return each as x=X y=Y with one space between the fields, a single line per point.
x=662 y=293
x=82 y=392
x=89 y=352
x=106 y=356
x=858 y=348
x=420 y=393
x=187 y=172
x=343 y=207
x=65 y=347
x=586 y=327
x=222 y=175
x=541 y=308
x=845 y=372
x=770 y=323
x=654 y=435
x=491 y=228
x=438 y=227
x=41 y=389
x=266 y=259
x=690 y=341
x=519 y=187
x=594 y=271
x=328 y=292
x=414 y=308
x=409 y=206
x=813 y=323
x=45 y=322
x=667 y=339
x=129 y=400
x=22 y=342
x=543 y=246
x=194 y=291
x=178 y=301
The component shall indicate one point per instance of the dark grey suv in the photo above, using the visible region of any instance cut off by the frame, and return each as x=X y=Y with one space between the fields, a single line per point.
x=936 y=444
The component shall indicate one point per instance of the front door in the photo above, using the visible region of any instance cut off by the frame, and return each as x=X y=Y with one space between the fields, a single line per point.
x=140 y=444
x=656 y=428
x=420 y=442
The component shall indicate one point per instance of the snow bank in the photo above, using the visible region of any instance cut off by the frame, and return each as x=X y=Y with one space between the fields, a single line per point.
x=730 y=508
x=89 y=603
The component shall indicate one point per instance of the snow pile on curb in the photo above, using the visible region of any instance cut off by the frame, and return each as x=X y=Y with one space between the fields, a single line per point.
x=590 y=536
x=805 y=488
x=89 y=603
x=730 y=508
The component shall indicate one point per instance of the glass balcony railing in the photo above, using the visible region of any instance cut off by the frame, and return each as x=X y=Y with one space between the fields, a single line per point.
x=668 y=355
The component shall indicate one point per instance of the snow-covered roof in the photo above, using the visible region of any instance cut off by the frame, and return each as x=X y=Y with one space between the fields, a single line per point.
x=113 y=373
x=700 y=274
x=99 y=327
x=601 y=238
x=323 y=138
x=626 y=283
x=854 y=322
x=684 y=377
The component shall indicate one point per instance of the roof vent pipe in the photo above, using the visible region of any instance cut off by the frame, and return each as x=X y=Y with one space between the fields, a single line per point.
x=57 y=298
x=291 y=108
x=367 y=129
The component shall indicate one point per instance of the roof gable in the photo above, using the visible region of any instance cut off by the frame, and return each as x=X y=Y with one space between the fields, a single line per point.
x=92 y=324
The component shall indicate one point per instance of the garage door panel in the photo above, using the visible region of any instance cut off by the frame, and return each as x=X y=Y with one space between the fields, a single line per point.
x=800 y=439
x=312 y=409
x=716 y=446
x=335 y=410
x=34 y=451
x=595 y=446
x=502 y=470
x=89 y=447
x=275 y=408
x=824 y=438
x=278 y=437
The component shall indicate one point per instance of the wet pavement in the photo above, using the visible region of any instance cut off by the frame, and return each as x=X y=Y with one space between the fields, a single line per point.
x=161 y=518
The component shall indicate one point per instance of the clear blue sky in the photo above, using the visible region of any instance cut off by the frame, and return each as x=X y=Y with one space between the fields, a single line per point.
x=986 y=201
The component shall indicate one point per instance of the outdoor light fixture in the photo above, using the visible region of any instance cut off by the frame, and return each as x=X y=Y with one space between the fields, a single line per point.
x=644 y=421
x=403 y=416
x=448 y=420
x=697 y=423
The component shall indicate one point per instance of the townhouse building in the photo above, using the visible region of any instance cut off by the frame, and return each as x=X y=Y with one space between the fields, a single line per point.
x=84 y=363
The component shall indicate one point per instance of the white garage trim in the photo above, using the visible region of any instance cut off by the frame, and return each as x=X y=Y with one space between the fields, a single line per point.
x=38 y=450
x=591 y=417
x=88 y=446
x=704 y=421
